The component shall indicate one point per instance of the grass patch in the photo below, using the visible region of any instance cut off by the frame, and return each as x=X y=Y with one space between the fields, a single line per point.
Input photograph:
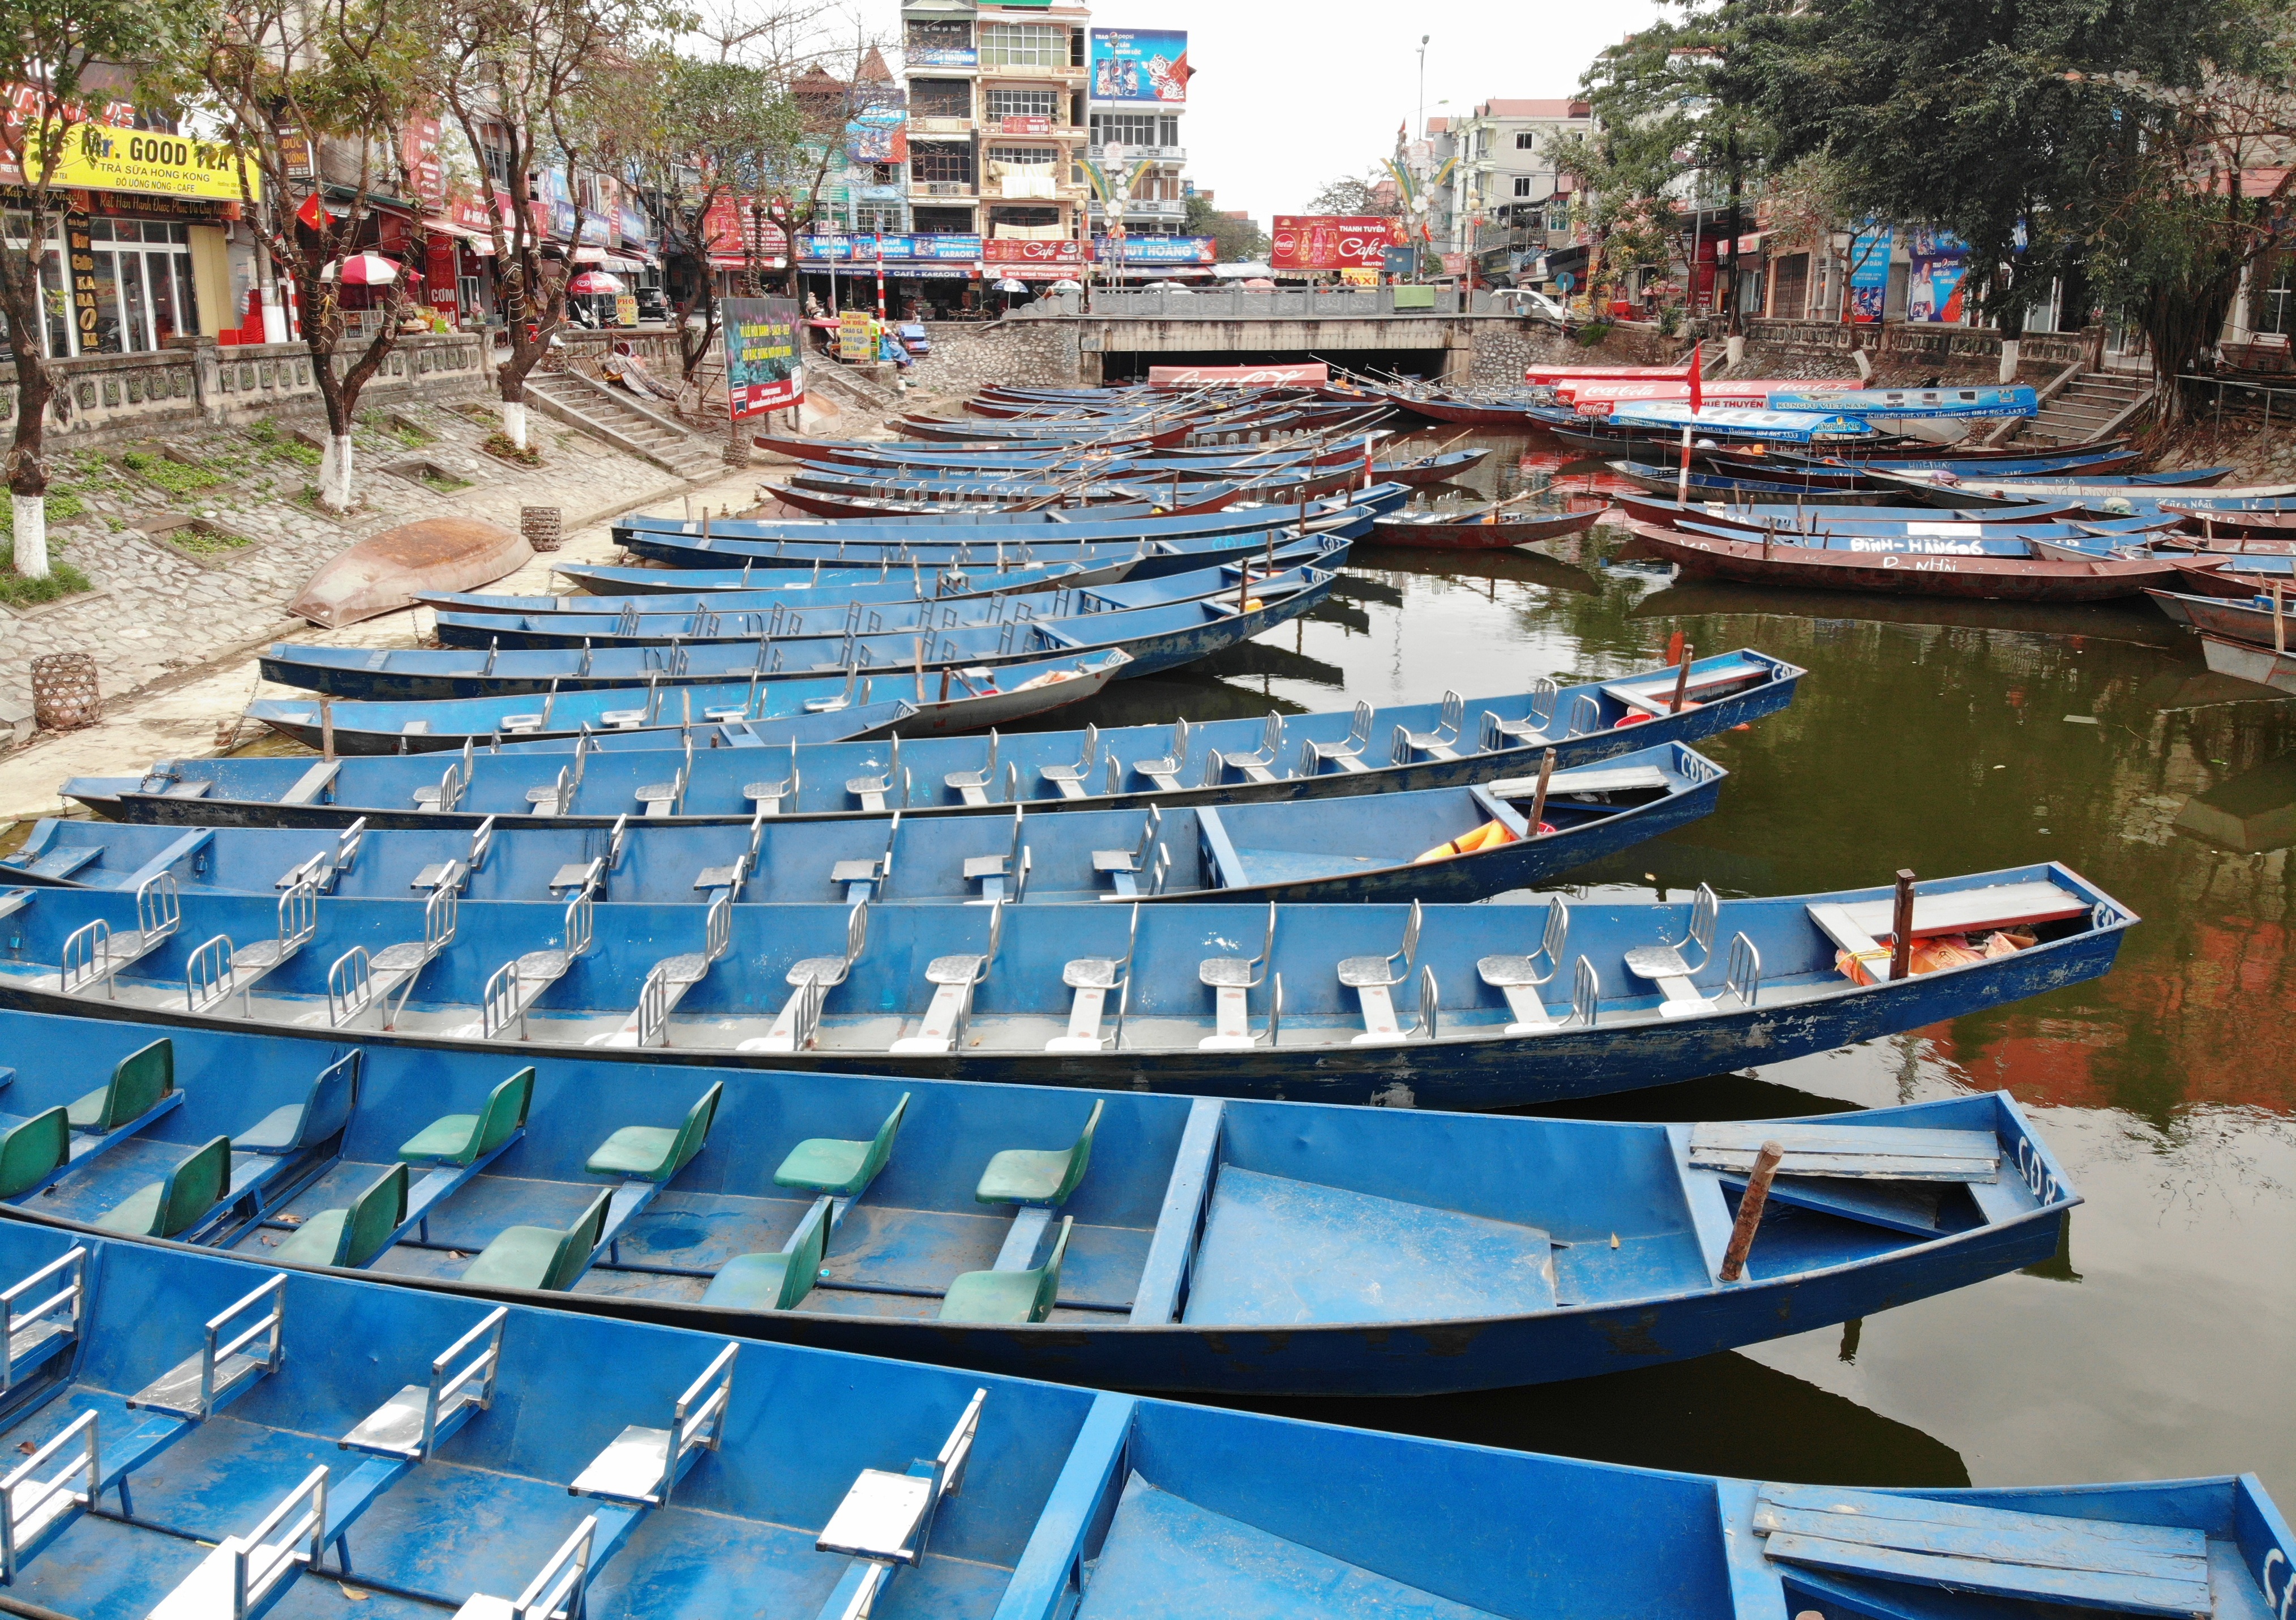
x=497 y=443
x=63 y=579
x=201 y=539
x=64 y=506
x=441 y=483
x=175 y=477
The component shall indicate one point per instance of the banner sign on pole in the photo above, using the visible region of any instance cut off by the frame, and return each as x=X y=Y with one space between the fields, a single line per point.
x=765 y=369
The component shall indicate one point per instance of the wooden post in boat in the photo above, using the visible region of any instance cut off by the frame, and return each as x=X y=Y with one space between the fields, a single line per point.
x=1749 y=1211
x=1539 y=799
x=921 y=668
x=1901 y=928
x=327 y=726
x=944 y=683
x=1682 y=485
x=1682 y=680
x=2279 y=623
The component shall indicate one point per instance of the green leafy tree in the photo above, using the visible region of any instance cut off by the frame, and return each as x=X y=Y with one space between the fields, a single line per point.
x=1236 y=240
x=60 y=50
x=1360 y=198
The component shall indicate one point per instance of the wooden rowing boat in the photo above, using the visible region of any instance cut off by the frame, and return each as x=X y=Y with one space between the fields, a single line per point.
x=1482 y=531
x=387 y=572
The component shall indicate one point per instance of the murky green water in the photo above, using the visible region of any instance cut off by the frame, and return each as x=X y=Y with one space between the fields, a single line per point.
x=1947 y=737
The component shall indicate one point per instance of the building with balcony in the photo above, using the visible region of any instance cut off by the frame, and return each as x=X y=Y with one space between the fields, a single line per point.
x=996 y=97
x=1505 y=192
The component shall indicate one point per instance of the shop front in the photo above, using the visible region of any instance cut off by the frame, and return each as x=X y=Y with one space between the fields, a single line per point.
x=925 y=278
x=140 y=257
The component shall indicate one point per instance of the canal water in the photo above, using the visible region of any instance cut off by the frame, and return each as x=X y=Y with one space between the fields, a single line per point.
x=1943 y=736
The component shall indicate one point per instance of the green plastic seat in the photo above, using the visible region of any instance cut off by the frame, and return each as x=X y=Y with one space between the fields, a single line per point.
x=842 y=1170
x=774 y=1282
x=165 y=1208
x=33 y=1150
x=355 y=1235
x=656 y=1153
x=542 y=1256
x=465 y=1138
x=1043 y=1176
x=136 y=1087
x=1009 y=1296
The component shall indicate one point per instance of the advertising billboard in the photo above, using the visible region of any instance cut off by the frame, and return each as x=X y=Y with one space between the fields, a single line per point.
x=1333 y=241
x=765 y=369
x=1869 y=274
x=1933 y=287
x=1140 y=65
x=1157 y=250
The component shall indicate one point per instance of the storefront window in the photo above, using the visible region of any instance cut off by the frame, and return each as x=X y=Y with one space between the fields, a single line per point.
x=110 y=336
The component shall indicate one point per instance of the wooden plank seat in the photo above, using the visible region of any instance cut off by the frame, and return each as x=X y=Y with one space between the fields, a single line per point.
x=2147 y=1570
x=1584 y=781
x=1891 y=1153
x=1654 y=695
x=179 y=1202
x=1859 y=928
x=1009 y=1296
x=837 y=1171
x=885 y=1522
x=810 y=980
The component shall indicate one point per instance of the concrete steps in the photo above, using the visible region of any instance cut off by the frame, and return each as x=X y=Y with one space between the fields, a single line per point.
x=618 y=420
x=2094 y=403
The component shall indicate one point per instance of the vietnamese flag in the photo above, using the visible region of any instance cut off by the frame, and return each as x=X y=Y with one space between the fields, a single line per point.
x=313 y=213
x=1697 y=366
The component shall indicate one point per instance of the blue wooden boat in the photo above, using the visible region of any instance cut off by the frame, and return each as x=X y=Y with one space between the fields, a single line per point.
x=2104 y=497
x=1369 y=846
x=753 y=714
x=1802 y=463
x=1725 y=423
x=1660 y=480
x=1910 y=540
x=427 y=1454
x=1828 y=513
x=689 y=590
x=1336 y=752
x=1911 y=404
x=765 y=613
x=1221 y=1246
x=1945 y=527
x=1153 y=638
x=1448 y=1005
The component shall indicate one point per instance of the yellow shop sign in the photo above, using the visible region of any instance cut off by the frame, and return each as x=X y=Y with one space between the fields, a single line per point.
x=103 y=157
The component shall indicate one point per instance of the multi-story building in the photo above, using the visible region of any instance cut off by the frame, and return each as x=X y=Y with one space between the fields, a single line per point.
x=1138 y=93
x=1505 y=191
x=996 y=104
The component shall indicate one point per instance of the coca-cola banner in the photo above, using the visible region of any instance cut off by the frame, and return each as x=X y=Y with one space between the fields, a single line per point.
x=1333 y=241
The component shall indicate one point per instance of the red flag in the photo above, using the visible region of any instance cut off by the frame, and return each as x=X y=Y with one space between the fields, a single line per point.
x=1697 y=367
x=313 y=213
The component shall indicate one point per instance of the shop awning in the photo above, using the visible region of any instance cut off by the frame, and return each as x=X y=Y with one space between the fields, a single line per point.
x=606 y=259
x=482 y=243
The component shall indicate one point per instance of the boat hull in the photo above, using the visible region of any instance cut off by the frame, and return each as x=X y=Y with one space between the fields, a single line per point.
x=387 y=571
x=1480 y=537
x=1982 y=578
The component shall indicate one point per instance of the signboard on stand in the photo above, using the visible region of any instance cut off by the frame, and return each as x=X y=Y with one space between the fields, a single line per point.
x=765 y=369
x=856 y=335
x=1333 y=241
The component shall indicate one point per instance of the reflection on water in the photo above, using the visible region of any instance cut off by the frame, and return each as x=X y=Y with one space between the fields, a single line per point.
x=1945 y=737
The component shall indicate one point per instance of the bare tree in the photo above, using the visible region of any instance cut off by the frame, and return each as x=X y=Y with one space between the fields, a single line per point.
x=307 y=86
x=515 y=74
x=54 y=47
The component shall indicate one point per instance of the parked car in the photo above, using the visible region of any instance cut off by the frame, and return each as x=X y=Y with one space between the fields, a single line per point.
x=1529 y=301
x=652 y=305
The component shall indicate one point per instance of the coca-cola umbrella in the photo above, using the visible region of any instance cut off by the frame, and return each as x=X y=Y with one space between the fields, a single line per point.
x=368 y=270
x=594 y=281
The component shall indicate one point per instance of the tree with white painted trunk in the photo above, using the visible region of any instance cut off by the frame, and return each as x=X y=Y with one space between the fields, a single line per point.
x=60 y=67
x=514 y=75
x=342 y=80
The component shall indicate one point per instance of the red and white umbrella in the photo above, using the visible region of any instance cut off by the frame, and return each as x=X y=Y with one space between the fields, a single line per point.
x=594 y=281
x=364 y=270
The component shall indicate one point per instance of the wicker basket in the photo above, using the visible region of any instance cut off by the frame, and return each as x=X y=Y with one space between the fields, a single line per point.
x=64 y=697
x=541 y=526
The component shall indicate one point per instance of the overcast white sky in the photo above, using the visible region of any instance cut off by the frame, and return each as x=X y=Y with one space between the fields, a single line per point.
x=1288 y=94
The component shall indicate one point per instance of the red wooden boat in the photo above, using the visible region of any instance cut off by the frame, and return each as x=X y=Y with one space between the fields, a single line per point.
x=2242 y=620
x=1479 y=530
x=1433 y=469
x=1462 y=411
x=1756 y=561
x=2236 y=525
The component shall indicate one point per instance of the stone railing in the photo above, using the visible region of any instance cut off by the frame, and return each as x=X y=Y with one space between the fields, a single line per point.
x=1919 y=339
x=1232 y=304
x=197 y=381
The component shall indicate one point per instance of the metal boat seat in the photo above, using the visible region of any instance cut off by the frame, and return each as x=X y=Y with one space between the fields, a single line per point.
x=35 y=1334
x=1346 y=753
x=1164 y=774
x=954 y=978
x=355 y=981
x=885 y=1523
x=542 y=1257
x=180 y=1202
x=873 y=791
x=668 y=980
x=1015 y=1297
x=1068 y=780
x=1258 y=767
x=558 y=1590
x=245 y=1574
x=1520 y=978
x=642 y=1466
x=1092 y=978
x=971 y=787
x=797 y=1025
x=1440 y=744
x=1670 y=966
x=514 y=986
x=354 y=1236
x=994 y=872
x=769 y=797
x=665 y=799
x=1536 y=728
x=1374 y=982
x=1124 y=868
x=93 y=955
x=217 y=970
x=1232 y=980
x=408 y=1427
x=227 y=1364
